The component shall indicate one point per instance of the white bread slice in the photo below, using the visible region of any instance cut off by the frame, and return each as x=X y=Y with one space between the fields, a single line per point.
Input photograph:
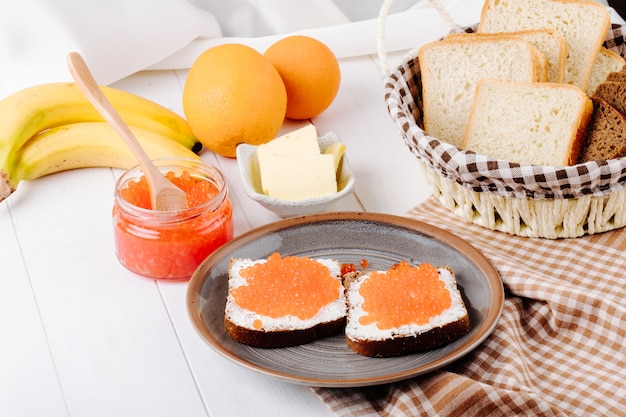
x=370 y=340
x=584 y=24
x=242 y=324
x=548 y=41
x=607 y=63
x=528 y=123
x=450 y=70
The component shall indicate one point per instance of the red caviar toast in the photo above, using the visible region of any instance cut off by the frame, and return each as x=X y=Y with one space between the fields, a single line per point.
x=284 y=301
x=403 y=310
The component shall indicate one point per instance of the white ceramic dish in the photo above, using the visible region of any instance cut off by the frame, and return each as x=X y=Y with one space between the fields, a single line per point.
x=249 y=170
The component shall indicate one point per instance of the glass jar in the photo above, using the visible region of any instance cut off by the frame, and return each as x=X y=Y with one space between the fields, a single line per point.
x=171 y=244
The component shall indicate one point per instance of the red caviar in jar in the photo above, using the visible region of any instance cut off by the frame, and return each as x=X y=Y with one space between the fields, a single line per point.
x=171 y=244
x=424 y=295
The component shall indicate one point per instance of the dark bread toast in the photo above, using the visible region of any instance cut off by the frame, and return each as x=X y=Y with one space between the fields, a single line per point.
x=606 y=134
x=256 y=329
x=369 y=340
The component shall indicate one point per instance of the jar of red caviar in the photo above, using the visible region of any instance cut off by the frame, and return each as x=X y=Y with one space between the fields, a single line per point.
x=171 y=244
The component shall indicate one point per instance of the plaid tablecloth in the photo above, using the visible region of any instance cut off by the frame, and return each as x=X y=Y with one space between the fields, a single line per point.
x=559 y=348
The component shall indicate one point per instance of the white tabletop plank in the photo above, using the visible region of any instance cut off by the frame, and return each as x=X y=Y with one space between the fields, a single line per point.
x=28 y=382
x=111 y=340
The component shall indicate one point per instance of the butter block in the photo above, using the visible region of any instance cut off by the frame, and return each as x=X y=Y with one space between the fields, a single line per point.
x=303 y=140
x=336 y=150
x=299 y=141
x=301 y=176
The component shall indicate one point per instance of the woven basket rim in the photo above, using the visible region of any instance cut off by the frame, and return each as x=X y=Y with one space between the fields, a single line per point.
x=484 y=174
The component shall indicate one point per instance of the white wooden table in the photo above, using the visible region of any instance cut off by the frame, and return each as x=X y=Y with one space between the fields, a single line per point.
x=82 y=336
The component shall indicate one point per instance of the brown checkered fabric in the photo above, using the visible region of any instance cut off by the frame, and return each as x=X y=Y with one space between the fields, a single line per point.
x=483 y=174
x=559 y=348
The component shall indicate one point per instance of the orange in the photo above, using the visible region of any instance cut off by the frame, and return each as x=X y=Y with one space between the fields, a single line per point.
x=233 y=95
x=310 y=72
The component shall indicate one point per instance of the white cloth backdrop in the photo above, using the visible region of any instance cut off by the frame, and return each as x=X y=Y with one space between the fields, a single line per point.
x=120 y=37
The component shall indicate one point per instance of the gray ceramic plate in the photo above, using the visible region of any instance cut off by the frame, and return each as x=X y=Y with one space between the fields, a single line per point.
x=348 y=238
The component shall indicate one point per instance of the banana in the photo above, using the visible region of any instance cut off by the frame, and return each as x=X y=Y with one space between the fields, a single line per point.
x=87 y=144
x=34 y=109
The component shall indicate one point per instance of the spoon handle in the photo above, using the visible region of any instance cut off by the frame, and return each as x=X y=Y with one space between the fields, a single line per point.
x=164 y=195
x=90 y=88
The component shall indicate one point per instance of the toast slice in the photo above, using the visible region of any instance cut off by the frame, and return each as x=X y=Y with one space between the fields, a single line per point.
x=284 y=301
x=617 y=75
x=451 y=68
x=547 y=41
x=614 y=93
x=404 y=310
x=606 y=135
x=528 y=123
x=608 y=67
x=584 y=24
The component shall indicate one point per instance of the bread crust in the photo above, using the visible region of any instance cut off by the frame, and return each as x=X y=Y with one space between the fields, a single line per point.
x=606 y=135
x=437 y=336
x=613 y=92
x=581 y=134
x=619 y=76
x=283 y=338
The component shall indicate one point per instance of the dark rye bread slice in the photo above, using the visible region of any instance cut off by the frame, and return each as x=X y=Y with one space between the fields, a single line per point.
x=606 y=135
x=283 y=338
x=614 y=93
x=619 y=76
x=282 y=331
x=369 y=340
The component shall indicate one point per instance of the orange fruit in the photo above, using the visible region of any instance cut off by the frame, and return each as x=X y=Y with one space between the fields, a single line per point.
x=310 y=72
x=233 y=95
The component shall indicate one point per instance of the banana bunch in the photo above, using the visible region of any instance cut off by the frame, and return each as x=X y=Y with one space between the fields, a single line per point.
x=52 y=127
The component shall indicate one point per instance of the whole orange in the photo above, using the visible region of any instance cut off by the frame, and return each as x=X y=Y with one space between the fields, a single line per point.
x=233 y=95
x=310 y=72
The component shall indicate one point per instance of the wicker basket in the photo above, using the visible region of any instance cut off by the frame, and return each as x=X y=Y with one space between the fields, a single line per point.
x=523 y=200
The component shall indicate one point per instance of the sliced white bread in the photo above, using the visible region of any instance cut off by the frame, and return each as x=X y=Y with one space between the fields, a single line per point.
x=584 y=24
x=276 y=290
x=528 y=123
x=607 y=65
x=549 y=42
x=370 y=339
x=450 y=70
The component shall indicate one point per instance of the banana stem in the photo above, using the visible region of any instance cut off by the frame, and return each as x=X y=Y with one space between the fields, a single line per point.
x=6 y=189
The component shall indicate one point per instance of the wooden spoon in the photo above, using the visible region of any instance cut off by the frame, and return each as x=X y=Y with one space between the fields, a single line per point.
x=164 y=194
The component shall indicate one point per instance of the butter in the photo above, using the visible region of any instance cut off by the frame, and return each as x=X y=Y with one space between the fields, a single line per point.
x=336 y=150
x=299 y=141
x=293 y=168
x=301 y=176
x=303 y=140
